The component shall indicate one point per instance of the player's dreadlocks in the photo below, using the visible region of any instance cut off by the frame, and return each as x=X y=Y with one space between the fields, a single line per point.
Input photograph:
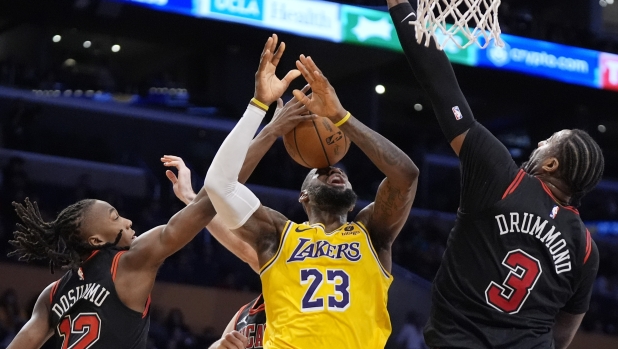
x=581 y=163
x=58 y=241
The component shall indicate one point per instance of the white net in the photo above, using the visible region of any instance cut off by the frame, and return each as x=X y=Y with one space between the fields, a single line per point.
x=476 y=20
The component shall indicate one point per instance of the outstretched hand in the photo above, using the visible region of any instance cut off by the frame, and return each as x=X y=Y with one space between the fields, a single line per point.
x=323 y=101
x=288 y=116
x=182 y=183
x=268 y=87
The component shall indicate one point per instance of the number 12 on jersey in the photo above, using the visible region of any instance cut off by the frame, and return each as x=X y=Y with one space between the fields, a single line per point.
x=339 y=300
x=86 y=326
x=509 y=297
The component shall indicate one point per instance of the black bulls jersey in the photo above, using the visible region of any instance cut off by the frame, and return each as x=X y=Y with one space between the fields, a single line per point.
x=508 y=270
x=251 y=322
x=87 y=313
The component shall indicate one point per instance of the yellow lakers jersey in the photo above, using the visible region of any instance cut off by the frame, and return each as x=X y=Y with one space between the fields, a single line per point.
x=325 y=290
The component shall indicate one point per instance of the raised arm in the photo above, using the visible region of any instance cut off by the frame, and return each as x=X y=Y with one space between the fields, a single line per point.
x=385 y=217
x=37 y=330
x=487 y=168
x=238 y=207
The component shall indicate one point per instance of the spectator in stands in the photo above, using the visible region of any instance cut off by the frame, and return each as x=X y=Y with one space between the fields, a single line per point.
x=11 y=317
x=180 y=336
x=411 y=334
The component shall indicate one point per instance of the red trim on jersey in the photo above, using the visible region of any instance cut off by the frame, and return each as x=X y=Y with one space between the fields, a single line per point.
x=238 y=315
x=514 y=184
x=147 y=307
x=256 y=310
x=115 y=264
x=53 y=291
x=92 y=255
x=588 y=245
x=260 y=308
x=546 y=188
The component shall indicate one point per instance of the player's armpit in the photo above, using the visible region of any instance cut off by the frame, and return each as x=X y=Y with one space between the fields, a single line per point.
x=263 y=231
x=233 y=243
x=385 y=217
x=37 y=330
x=565 y=327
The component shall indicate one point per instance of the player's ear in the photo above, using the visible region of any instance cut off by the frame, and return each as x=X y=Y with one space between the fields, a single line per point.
x=95 y=240
x=303 y=197
x=550 y=165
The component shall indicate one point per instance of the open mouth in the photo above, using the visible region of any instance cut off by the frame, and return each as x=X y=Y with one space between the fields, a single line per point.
x=336 y=180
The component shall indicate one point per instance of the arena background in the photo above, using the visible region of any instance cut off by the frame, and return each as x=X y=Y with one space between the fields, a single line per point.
x=93 y=92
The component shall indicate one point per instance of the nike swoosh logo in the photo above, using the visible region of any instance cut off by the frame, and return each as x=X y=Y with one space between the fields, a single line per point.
x=412 y=14
x=298 y=230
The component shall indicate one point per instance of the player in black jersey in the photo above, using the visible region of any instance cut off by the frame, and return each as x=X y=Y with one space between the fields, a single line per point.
x=519 y=265
x=246 y=329
x=102 y=301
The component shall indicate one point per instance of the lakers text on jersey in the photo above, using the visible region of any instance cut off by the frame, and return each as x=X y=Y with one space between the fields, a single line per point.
x=325 y=290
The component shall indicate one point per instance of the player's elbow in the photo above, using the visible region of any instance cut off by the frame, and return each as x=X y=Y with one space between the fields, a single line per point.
x=409 y=173
x=215 y=183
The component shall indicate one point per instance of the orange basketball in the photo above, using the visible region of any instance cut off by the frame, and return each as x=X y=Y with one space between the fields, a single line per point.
x=316 y=143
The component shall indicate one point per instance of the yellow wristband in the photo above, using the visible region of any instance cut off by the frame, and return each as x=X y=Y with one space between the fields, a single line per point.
x=343 y=121
x=259 y=104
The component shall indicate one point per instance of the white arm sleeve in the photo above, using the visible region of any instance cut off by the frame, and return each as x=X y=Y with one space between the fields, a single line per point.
x=234 y=202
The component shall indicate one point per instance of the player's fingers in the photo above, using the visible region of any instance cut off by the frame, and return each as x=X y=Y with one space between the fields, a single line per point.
x=232 y=339
x=306 y=89
x=312 y=66
x=305 y=62
x=273 y=43
x=303 y=70
x=172 y=157
x=176 y=164
x=279 y=103
x=278 y=54
x=301 y=97
x=290 y=76
x=171 y=176
x=264 y=61
x=244 y=340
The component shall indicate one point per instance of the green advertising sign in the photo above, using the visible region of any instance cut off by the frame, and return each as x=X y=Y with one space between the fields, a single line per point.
x=367 y=27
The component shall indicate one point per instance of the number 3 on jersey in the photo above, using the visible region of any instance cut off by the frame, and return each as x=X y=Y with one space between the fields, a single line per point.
x=511 y=295
x=85 y=325
x=337 y=277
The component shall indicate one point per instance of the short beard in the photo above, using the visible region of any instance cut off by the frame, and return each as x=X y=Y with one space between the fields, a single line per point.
x=332 y=200
x=526 y=166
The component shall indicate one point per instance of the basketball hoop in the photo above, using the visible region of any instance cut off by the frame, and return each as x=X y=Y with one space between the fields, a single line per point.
x=432 y=16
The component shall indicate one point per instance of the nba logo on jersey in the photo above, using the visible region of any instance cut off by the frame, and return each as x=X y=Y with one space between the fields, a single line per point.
x=554 y=212
x=80 y=273
x=457 y=113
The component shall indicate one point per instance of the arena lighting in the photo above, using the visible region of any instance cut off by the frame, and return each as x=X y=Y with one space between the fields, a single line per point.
x=418 y=107
x=115 y=48
x=380 y=89
x=87 y=44
x=57 y=38
x=70 y=62
x=602 y=128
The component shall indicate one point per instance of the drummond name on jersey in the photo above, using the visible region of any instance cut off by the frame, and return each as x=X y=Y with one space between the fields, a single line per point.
x=92 y=292
x=527 y=223
x=322 y=248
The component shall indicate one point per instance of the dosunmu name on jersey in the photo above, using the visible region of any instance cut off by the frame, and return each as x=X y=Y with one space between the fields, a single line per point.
x=92 y=292
x=522 y=223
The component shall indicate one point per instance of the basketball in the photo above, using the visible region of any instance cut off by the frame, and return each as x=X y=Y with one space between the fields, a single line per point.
x=316 y=143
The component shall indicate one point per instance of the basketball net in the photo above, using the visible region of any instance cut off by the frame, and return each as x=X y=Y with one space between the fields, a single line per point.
x=432 y=16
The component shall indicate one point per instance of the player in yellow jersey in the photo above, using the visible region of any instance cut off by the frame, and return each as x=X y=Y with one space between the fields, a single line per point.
x=325 y=282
